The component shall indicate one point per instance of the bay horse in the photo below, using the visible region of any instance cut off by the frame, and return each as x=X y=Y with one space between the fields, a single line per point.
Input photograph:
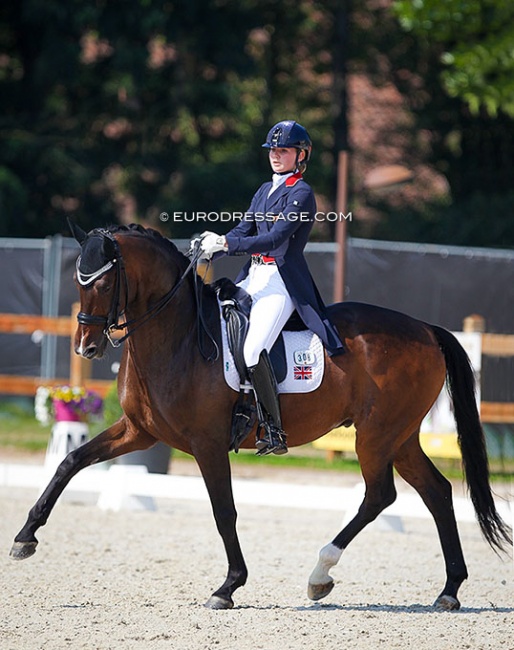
x=391 y=374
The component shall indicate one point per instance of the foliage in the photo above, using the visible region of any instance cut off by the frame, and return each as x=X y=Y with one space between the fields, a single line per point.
x=477 y=47
x=112 y=408
x=19 y=430
x=112 y=114
x=23 y=434
x=474 y=153
x=116 y=115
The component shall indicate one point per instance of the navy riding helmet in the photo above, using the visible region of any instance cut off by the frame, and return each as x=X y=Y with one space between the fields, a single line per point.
x=289 y=133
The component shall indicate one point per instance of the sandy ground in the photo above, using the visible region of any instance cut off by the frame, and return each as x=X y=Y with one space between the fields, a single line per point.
x=139 y=580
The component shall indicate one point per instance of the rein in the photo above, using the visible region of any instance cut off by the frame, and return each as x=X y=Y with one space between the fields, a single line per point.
x=110 y=322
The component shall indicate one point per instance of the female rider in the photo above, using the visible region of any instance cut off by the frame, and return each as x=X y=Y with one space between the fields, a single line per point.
x=274 y=232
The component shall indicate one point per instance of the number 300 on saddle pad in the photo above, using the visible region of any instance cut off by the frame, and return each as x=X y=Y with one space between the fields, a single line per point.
x=304 y=356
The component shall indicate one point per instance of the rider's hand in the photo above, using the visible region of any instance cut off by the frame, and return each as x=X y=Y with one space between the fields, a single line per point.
x=212 y=243
x=192 y=245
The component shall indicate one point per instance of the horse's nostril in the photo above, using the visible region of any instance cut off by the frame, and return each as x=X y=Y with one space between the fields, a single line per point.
x=90 y=351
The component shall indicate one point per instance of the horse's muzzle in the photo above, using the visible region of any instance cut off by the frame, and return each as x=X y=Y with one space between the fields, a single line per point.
x=91 y=352
x=89 y=349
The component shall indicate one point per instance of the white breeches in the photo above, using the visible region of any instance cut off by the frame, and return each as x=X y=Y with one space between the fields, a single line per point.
x=271 y=309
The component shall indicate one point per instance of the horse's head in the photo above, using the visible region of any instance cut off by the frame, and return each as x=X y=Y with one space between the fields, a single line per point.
x=154 y=269
x=98 y=276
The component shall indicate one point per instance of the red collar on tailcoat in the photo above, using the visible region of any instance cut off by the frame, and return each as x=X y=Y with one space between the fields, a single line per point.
x=292 y=180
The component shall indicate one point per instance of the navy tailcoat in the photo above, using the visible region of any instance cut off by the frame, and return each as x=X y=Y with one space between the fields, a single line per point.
x=279 y=227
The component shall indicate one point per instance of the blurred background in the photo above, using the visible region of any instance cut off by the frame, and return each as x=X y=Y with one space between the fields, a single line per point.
x=118 y=111
x=114 y=112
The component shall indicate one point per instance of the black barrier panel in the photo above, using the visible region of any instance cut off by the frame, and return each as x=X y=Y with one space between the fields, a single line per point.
x=442 y=285
x=22 y=277
x=437 y=284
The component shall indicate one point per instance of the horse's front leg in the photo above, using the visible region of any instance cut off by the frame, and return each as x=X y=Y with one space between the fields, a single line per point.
x=215 y=468
x=112 y=442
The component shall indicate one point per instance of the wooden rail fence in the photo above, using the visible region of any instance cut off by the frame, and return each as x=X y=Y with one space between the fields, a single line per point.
x=80 y=369
x=498 y=345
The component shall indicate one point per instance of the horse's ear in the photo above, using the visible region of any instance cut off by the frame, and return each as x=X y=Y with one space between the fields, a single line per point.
x=79 y=234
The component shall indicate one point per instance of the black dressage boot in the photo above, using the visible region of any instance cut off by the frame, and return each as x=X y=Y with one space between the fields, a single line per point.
x=264 y=384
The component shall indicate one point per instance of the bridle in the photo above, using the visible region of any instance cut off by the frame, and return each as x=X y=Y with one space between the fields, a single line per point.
x=110 y=323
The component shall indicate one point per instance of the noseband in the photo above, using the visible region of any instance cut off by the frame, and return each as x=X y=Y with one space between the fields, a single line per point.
x=110 y=322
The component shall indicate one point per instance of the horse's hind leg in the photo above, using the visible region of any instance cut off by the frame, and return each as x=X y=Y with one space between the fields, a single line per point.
x=416 y=468
x=110 y=443
x=380 y=493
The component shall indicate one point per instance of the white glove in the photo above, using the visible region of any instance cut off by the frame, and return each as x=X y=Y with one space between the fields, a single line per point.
x=192 y=245
x=195 y=240
x=212 y=243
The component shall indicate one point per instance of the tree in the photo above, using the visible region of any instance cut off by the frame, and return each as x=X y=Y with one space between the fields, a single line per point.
x=473 y=151
x=111 y=113
x=118 y=112
x=476 y=47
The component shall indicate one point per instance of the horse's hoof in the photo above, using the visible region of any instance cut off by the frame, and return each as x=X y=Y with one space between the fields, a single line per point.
x=447 y=604
x=22 y=550
x=317 y=592
x=216 y=602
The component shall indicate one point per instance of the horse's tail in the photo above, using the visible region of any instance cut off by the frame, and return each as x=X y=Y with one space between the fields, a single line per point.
x=461 y=386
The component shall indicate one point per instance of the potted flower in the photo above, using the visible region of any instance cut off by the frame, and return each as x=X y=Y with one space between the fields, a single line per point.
x=70 y=408
x=66 y=404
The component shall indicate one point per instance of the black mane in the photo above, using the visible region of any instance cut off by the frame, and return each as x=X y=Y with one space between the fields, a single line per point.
x=130 y=228
x=135 y=229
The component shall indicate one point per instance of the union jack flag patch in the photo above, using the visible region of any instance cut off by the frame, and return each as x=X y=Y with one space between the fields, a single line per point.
x=302 y=372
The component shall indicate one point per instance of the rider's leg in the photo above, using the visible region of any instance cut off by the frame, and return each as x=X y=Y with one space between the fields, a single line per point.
x=267 y=318
x=265 y=386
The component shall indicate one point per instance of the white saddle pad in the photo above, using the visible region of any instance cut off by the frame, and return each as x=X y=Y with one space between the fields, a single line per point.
x=304 y=356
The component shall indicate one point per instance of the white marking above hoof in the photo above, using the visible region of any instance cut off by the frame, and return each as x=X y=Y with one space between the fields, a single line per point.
x=320 y=582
